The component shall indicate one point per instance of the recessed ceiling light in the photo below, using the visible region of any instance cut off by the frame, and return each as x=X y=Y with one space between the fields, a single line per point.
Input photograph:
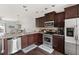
x=37 y=12
x=18 y=15
x=26 y=9
x=53 y=5
x=24 y=6
x=42 y=11
x=46 y=8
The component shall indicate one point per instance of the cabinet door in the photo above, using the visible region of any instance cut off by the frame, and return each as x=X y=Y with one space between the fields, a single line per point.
x=59 y=19
x=50 y=16
x=56 y=21
x=24 y=41
x=78 y=9
x=55 y=42
x=40 y=21
x=31 y=39
x=71 y=12
x=58 y=43
x=5 y=47
x=61 y=44
x=38 y=38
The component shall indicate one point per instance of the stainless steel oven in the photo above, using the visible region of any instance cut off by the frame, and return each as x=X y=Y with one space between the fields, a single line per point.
x=47 y=40
x=49 y=24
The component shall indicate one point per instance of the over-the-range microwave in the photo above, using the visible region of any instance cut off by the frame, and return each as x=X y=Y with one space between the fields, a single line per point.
x=49 y=24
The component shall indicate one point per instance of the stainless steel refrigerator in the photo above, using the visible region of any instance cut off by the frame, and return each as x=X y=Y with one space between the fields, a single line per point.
x=72 y=36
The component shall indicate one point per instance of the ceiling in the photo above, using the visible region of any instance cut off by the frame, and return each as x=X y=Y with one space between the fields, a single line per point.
x=15 y=11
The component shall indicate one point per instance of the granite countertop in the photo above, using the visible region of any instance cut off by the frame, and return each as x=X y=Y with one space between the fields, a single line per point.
x=58 y=34
x=17 y=35
x=21 y=34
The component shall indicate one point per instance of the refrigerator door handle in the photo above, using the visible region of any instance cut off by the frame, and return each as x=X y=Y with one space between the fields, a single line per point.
x=76 y=37
x=75 y=33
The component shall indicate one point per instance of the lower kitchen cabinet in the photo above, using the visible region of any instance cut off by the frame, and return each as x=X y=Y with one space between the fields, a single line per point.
x=24 y=41
x=38 y=38
x=58 y=43
x=31 y=39
x=35 y=39
x=5 y=47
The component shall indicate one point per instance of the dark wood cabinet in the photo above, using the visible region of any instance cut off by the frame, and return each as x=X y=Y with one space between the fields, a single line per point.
x=24 y=41
x=38 y=38
x=40 y=21
x=78 y=10
x=58 y=43
x=31 y=39
x=50 y=16
x=59 y=19
x=72 y=12
x=5 y=47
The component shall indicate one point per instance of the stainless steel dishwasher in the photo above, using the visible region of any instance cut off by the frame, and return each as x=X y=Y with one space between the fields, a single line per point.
x=0 y=46
x=14 y=45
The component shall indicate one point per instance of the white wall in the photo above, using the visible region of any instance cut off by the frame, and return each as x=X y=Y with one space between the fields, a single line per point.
x=28 y=24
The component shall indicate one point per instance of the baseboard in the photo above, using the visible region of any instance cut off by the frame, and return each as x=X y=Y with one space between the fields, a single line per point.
x=29 y=48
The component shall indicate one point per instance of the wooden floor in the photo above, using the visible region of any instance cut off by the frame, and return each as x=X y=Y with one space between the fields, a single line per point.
x=37 y=51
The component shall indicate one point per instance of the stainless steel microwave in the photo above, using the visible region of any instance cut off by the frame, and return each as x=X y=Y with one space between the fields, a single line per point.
x=49 y=24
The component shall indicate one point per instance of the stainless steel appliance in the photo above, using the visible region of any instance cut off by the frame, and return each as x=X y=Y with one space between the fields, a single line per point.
x=14 y=45
x=48 y=40
x=47 y=43
x=0 y=45
x=72 y=36
x=49 y=24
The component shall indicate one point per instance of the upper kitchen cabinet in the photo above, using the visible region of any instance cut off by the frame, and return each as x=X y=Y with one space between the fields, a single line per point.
x=78 y=10
x=40 y=21
x=50 y=16
x=72 y=12
x=59 y=19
